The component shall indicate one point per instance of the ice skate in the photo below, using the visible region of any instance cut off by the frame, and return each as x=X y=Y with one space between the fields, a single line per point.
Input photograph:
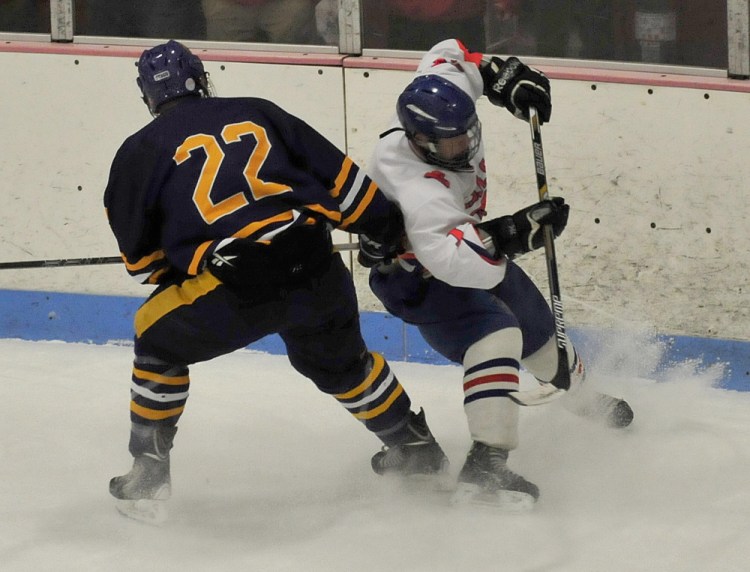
x=142 y=493
x=418 y=457
x=485 y=479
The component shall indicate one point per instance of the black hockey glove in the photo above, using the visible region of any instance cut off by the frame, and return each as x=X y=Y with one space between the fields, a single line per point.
x=374 y=253
x=516 y=86
x=241 y=264
x=301 y=254
x=381 y=247
x=521 y=233
x=292 y=259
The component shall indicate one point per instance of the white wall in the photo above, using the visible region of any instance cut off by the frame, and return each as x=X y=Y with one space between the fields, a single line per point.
x=628 y=158
x=674 y=158
x=63 y=118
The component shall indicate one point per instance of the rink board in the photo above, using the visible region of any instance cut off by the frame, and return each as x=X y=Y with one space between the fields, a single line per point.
x=33 y=315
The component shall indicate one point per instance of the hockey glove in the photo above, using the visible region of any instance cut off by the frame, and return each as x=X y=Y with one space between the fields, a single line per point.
x=516 y=86
x=382 y=246
x=302 y=254
x=374 y=253
x=292 y=259
x=521 y=233
x=241 y=264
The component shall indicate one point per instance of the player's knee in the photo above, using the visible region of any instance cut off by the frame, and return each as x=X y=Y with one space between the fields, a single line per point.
x=505 y=343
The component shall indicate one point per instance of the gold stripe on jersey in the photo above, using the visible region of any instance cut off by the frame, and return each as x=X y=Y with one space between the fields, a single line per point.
x=171 y=298
x=194 y=267
x=155 y=276
x=333 y=216
x=362 y=206
x=341 y=178
x=143 y=262
x=256 y=226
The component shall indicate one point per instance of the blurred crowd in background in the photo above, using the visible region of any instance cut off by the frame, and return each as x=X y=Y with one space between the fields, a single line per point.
x=675 y=32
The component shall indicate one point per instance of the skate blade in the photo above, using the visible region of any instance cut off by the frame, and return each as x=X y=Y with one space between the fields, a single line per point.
x=144 y=510
x=539 y=396
x=505 y=501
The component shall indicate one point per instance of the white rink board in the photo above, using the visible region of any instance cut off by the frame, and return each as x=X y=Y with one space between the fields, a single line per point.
x=69 y=120
x=630 y=159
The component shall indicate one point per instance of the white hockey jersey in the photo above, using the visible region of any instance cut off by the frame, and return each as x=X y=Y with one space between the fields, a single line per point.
x=440 y=206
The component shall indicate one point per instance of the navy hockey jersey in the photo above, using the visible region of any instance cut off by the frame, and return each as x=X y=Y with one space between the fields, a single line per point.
x=219 y=168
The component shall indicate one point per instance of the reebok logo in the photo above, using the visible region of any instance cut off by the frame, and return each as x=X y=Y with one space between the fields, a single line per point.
x=507 y=74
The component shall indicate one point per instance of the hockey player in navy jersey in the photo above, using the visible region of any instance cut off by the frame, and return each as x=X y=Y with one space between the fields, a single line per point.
x=227 y=204
x=457 y=280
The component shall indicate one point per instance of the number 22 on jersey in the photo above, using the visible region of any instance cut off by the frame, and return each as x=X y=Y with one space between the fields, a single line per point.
x=212 y=211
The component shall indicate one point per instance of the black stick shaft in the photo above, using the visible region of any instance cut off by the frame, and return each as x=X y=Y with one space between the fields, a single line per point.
x=60 y=262
x=56 y=263
x=562 y=379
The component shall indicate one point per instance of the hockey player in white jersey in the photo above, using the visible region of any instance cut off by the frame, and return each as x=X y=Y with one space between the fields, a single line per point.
x=456 y=279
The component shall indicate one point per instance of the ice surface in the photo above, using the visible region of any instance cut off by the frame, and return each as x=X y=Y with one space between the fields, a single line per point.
x=269 y=474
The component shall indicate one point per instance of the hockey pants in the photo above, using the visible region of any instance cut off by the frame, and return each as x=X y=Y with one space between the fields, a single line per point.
x=199 y=319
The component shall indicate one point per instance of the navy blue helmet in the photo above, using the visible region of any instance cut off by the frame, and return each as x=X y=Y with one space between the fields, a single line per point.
x=440 y=119
x=169 y=71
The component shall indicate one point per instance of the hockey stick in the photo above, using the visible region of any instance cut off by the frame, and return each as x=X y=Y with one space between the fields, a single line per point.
x=60 y=262
x=56 y=263
x=561 y=382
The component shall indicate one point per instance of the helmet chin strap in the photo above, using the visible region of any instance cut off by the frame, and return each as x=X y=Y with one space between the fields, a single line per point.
x=207 y=86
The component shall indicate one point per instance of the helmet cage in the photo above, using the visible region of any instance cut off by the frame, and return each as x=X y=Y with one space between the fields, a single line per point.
x=169 y=71
x=440 y=121
x=453 y=152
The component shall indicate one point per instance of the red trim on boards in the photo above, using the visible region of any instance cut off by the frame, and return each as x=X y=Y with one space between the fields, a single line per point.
x=592 y=75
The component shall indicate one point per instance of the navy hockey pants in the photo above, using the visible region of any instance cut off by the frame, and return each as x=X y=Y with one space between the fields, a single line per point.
x=200 y=319
x=451 y=319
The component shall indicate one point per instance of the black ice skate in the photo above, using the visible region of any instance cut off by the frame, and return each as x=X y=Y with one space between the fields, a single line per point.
x=486 y=479
x=141 y=493
x=415 y=452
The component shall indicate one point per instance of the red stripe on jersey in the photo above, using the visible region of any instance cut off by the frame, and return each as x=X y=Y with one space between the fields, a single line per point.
x=473 y=57
x=458 y=235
